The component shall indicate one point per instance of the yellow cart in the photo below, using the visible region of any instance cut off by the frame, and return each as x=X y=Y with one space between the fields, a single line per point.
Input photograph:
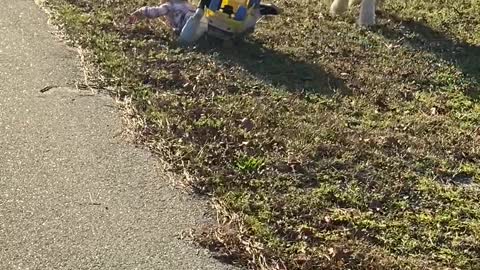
x=230 y=19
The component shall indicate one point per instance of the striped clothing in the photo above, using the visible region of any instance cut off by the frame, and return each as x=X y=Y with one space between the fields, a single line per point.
x=177 y=13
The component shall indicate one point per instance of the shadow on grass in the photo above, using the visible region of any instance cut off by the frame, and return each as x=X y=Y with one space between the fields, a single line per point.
x=278 y=69
x=466 y=57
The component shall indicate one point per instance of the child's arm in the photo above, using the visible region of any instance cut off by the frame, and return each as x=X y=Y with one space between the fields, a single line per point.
x=149 y=12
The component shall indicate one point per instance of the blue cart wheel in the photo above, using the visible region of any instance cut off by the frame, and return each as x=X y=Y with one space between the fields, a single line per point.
x=241 y=14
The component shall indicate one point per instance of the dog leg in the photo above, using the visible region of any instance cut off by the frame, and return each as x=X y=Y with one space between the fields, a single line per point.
x=367 y=13
x=338 y=7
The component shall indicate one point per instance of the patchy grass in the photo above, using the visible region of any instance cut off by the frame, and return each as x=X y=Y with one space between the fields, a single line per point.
x=324 y=146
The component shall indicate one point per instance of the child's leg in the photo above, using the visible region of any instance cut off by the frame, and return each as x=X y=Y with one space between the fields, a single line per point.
x=191 y=31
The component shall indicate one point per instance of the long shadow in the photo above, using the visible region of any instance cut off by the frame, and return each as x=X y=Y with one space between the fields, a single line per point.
x=276 y=68
x=419 y=36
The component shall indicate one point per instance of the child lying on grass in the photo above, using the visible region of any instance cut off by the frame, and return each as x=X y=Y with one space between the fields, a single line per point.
x=181 y=12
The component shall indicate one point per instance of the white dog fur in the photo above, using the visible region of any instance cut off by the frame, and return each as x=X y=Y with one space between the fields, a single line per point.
x=367 y=9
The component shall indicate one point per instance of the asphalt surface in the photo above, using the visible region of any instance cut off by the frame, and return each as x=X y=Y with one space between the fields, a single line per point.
x=73 y=194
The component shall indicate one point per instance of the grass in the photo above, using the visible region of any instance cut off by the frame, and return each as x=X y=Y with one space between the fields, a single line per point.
x=323 y=145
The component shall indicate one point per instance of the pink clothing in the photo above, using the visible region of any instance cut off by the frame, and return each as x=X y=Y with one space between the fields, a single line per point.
x=177 y=13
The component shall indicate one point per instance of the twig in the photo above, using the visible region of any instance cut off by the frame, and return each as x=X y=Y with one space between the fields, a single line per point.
x=48 y=88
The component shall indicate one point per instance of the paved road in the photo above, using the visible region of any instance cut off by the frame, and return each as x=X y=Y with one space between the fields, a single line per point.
x=72 y=194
